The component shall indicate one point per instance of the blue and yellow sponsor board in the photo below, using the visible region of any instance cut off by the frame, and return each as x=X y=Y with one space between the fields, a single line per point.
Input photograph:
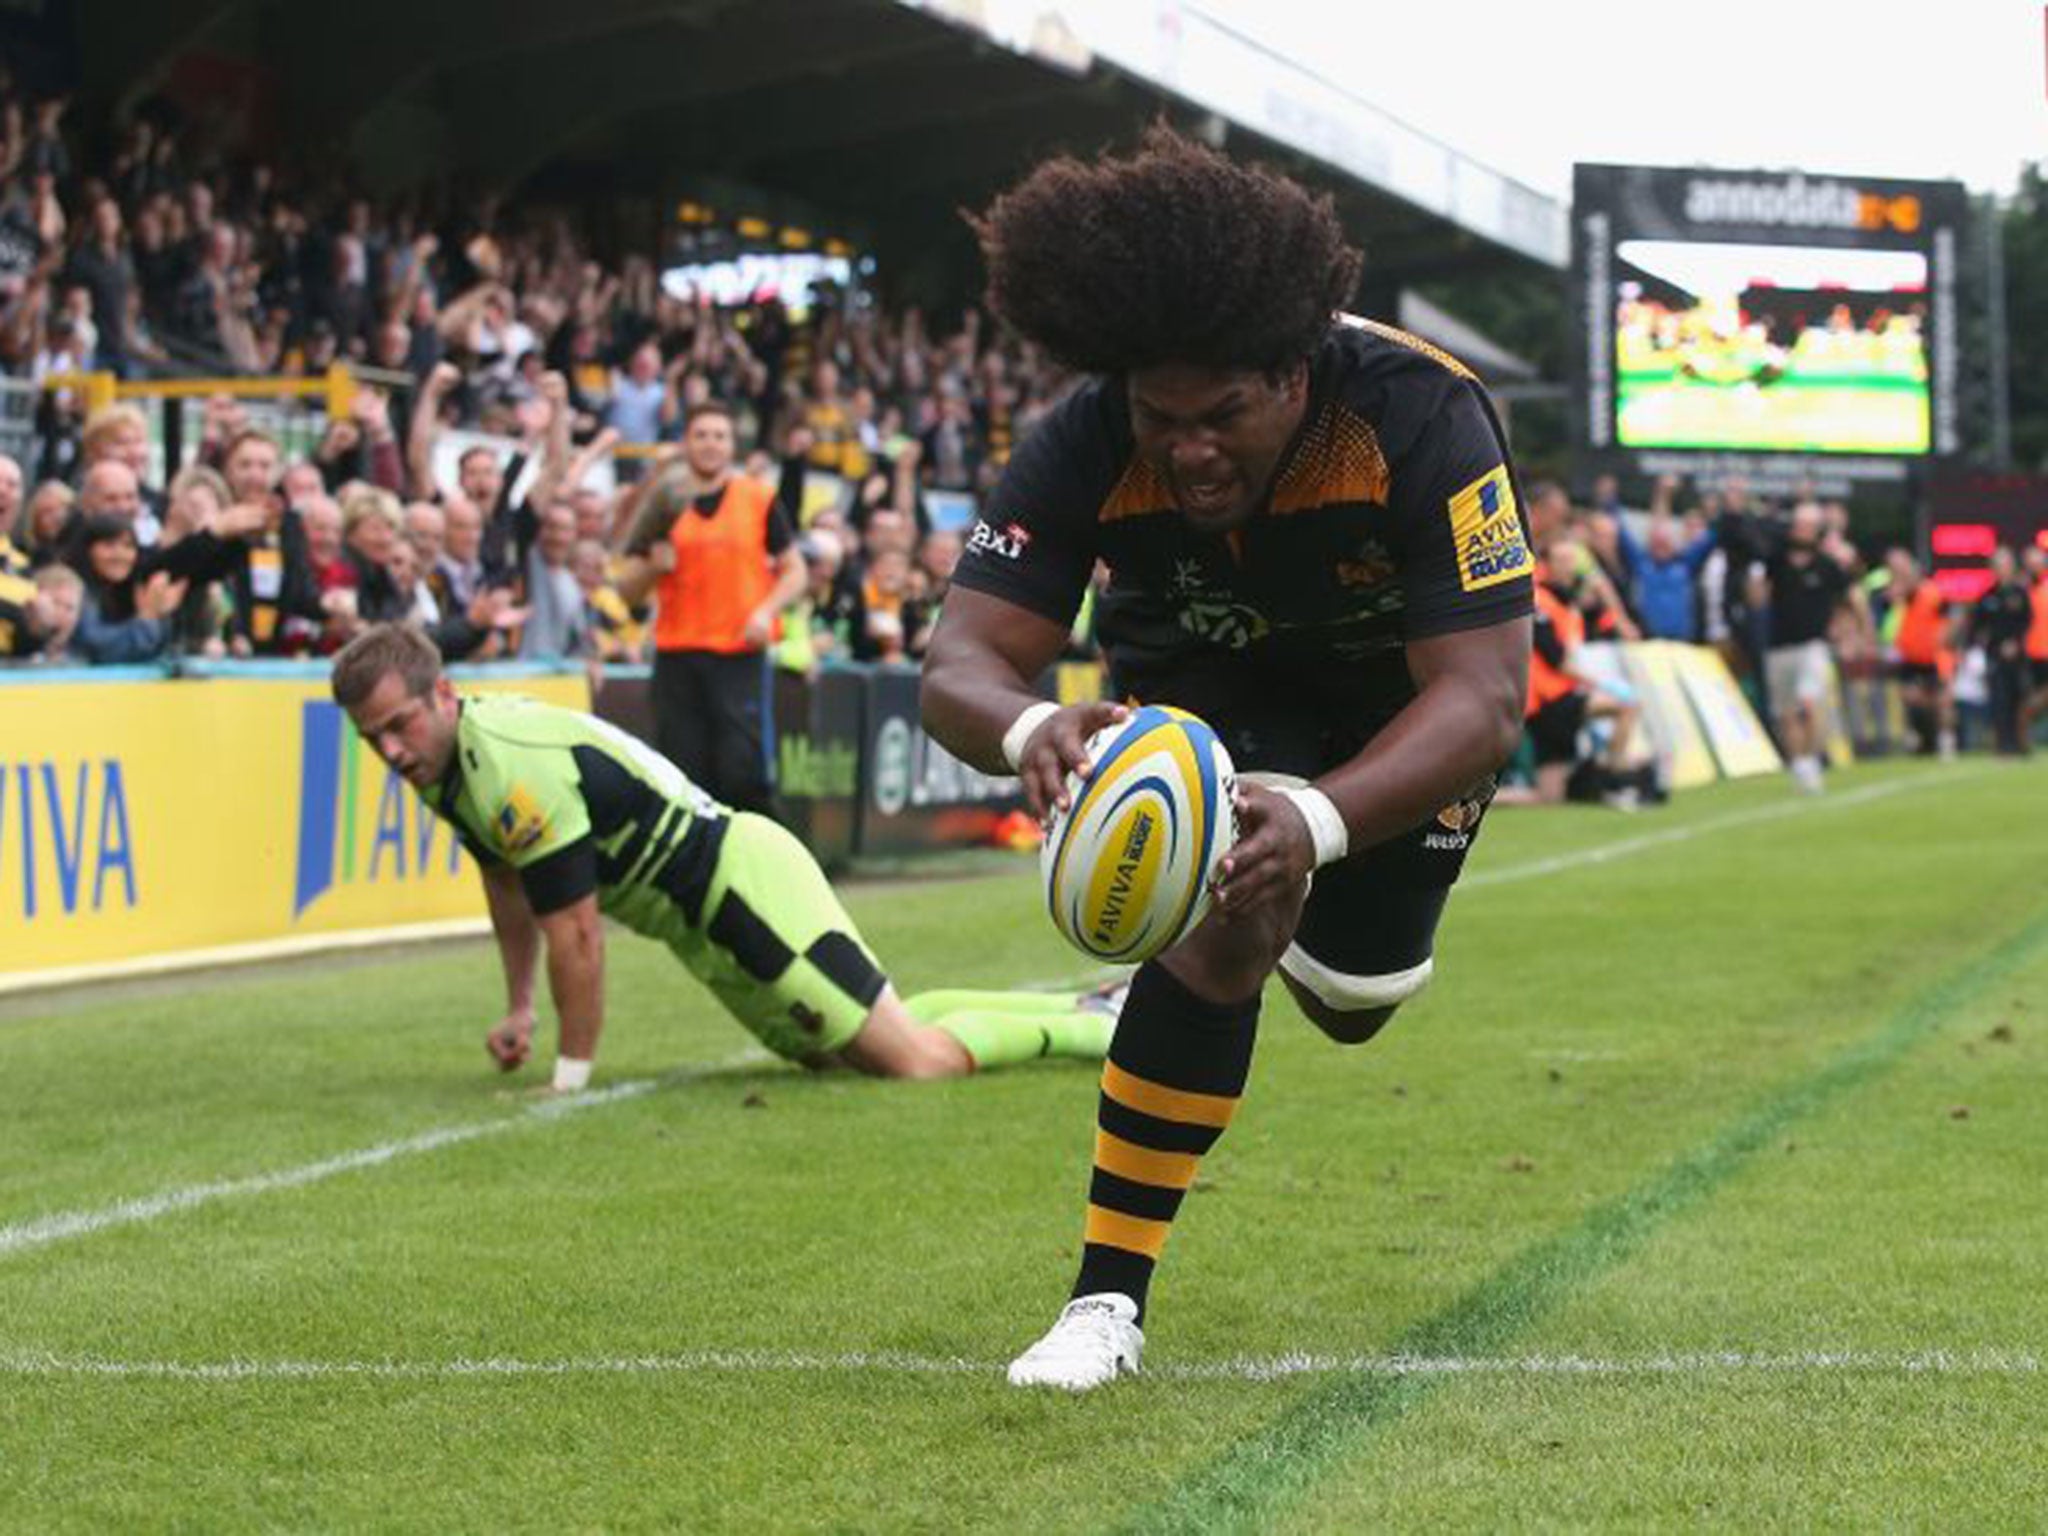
x=1741 y=746
x=147 y=818
x=1681 y=741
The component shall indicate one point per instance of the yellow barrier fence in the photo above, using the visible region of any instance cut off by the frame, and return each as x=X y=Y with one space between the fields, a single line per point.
x=335 y=388
x=141 y=820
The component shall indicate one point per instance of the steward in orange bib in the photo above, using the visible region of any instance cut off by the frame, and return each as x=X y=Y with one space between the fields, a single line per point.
x=719 y=553
x=1927 y=659
x=2036 y=702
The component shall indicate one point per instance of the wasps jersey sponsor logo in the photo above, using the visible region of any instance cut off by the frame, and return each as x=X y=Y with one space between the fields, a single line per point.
x=1458 y=821
x=1487 y=532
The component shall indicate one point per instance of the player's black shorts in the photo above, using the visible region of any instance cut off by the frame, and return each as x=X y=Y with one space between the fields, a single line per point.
x=1554 y=729
x=2038 y=673
x=1918 y=674
x=1369 y=928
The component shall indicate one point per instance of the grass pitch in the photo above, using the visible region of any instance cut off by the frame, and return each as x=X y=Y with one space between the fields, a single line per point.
x=1701 y=1190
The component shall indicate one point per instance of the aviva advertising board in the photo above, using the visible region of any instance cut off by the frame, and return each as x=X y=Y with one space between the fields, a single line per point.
x=146 y=819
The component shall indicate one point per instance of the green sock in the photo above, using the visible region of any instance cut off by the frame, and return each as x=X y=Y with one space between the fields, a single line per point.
x=930 y=1007
x=995 y=1038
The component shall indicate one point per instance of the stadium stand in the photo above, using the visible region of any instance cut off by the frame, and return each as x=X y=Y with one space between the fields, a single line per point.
x=505 y=347
x=505 y=376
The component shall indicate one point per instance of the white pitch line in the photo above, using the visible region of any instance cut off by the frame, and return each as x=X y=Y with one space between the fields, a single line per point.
x=45 y=1230
x=1628 y=847
x=1937 y=1362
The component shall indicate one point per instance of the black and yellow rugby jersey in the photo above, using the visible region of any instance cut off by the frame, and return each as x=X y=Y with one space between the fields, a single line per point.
x=1394 y=516
x=577 y=805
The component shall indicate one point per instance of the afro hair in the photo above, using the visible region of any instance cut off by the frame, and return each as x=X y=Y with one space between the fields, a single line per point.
x=1172 y=254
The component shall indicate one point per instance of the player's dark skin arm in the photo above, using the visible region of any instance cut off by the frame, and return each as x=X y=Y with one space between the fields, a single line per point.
x=978 y=678
x=1462 y=725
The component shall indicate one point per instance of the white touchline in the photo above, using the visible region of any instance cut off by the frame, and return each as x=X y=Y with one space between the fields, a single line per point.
x=42 y=1231
x=1942 y=1362
x=45 y=1230
x=1626 y=847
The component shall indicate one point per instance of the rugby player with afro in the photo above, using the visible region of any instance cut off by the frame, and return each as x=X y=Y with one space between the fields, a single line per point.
x=1315 y=544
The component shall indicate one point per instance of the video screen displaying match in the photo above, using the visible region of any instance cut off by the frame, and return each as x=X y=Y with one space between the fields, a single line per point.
x=1770 y=347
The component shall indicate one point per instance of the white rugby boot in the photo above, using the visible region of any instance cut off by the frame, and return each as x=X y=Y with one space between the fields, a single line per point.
x=1096 y=1340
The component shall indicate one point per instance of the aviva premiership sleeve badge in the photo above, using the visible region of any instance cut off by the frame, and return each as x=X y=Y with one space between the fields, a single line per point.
x=520 y=822
x=1487 y=531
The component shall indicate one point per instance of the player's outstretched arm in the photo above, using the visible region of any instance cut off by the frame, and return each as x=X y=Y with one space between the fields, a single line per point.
x=518 y=936
x=1462 y=724
x=575 y=941
x=979 y=678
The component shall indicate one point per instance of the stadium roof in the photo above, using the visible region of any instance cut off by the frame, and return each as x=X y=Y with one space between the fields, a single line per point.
x=877 y=119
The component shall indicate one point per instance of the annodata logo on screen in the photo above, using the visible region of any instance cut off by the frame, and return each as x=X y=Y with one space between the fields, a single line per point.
x=358 y=828
x=1794 y=202
x=1766 y=313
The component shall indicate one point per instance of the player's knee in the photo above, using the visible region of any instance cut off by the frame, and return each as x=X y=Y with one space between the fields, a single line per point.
x=892 y=1044
x=1233 y=957
x=1349 y=1009
x=1348 y=1028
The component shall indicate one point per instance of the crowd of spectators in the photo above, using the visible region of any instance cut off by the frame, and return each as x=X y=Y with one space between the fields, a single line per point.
x=529 y=392
x=564 y=380
x=1809 y=623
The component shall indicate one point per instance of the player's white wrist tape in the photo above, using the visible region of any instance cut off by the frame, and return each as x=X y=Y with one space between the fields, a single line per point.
x=1325 y=826
x=1020 y=730
x=571 y=1075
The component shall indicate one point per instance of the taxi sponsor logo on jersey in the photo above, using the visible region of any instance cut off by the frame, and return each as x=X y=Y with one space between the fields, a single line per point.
x=1487 y=531
x=1007 y=542
x=521 y=822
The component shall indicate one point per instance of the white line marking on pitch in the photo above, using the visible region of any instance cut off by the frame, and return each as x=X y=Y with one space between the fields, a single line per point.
x=1942 y=1362
x=1627 y=847
x=45 y=1230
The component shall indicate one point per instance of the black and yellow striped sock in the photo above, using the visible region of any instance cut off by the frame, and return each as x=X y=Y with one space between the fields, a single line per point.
x=1170 y=1085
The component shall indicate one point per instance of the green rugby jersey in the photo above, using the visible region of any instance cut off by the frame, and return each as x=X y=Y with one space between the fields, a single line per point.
x=577 y=805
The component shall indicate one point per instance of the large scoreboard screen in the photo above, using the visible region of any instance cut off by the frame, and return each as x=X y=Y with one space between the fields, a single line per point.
x=1765 y=313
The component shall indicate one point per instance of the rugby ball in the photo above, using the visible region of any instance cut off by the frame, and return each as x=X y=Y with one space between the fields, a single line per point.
x=1127 y=865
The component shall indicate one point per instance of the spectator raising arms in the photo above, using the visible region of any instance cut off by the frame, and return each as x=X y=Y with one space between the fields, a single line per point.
x=1809 y=579
x=1663 y=568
